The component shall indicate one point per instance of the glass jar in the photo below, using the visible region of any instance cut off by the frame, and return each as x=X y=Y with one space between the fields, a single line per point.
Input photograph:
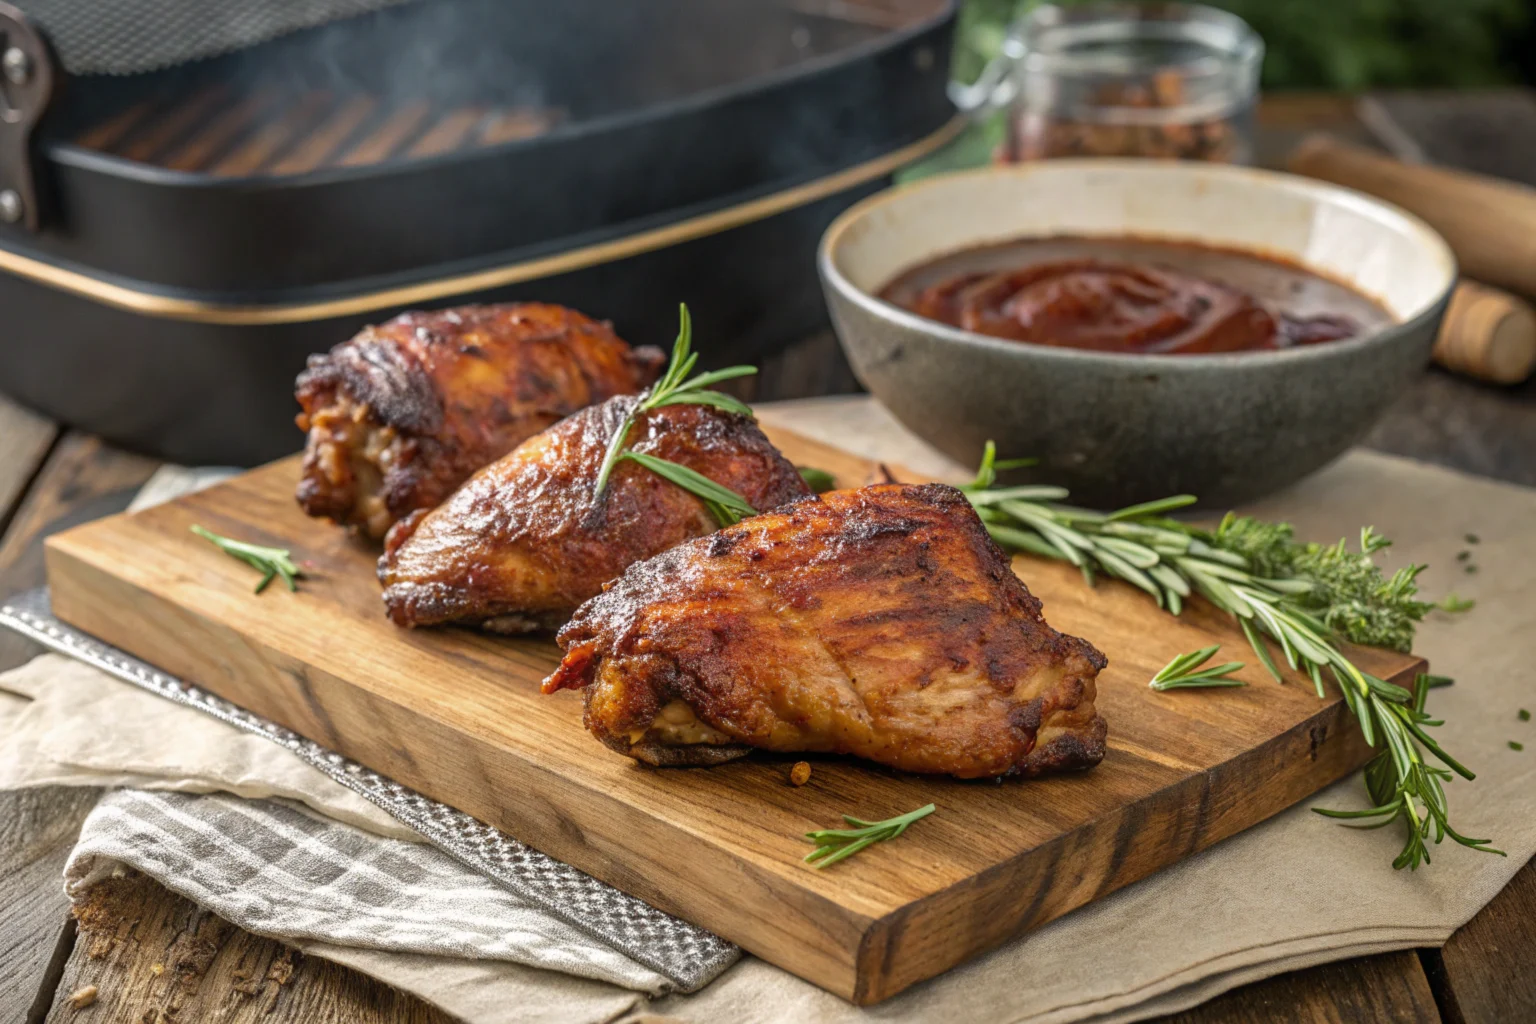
x=1164 y=80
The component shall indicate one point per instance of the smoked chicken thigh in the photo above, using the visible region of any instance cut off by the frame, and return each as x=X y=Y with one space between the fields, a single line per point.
x=404 y=412
x=881 y=622
x=524 y=542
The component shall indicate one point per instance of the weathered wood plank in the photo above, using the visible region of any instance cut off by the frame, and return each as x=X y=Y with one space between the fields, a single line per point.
x=25 y=438
x=83 y=479
x=1390 y=987
x=37 y=830
x=156 y=958
x=1181 y=774
x=1486 y=973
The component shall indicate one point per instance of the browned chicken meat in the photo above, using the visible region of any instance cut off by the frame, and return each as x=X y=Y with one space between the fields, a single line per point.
x=403 y=413
x=525 y=541
x=881 y=622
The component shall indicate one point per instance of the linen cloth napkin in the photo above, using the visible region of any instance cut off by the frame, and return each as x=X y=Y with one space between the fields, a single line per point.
x=1294 y=891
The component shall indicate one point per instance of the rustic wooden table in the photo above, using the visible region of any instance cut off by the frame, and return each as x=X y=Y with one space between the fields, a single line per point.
x=154 y=957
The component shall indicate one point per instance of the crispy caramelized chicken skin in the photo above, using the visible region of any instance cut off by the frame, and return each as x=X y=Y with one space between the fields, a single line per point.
x=881 y=622
x=523 y=542
x=404 y=412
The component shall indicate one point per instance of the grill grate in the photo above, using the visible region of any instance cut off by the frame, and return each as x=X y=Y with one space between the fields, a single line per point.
x=127 y=37
x=219 y=131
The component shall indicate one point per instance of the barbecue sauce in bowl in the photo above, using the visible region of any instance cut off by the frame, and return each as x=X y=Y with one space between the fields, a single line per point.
x=1133 y=295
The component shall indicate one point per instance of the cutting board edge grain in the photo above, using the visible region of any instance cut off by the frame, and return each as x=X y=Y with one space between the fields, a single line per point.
x=1157 y=824
x=143 y=584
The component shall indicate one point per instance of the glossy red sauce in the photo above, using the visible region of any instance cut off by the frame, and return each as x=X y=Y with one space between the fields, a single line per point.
x=1133 y=295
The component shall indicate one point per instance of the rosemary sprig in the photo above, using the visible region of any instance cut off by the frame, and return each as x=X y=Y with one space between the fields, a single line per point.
x=270 y=562
x=834 y=844
x=1303 y=598
x=1184 y=672
x=728 y=506
x=676 y=388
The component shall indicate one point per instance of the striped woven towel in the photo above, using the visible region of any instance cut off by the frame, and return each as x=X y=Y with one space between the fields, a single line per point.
x=279 y=870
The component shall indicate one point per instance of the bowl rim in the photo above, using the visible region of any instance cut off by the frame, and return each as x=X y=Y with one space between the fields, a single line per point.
x=1141 y=361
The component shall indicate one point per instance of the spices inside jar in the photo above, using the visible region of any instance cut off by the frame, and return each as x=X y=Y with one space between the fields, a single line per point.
x=1223 y=139
x=1169 y=81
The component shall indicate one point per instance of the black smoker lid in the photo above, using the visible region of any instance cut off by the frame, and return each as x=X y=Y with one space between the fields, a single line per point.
x=705 y=112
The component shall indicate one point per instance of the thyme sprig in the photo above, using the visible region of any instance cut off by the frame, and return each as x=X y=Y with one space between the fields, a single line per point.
x=676 y=388
x=270 y=562
x=1303 y=598
x=835 y=844
x=1185 y=672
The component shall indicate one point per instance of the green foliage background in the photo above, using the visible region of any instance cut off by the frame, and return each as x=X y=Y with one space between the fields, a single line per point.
x=1338 y=44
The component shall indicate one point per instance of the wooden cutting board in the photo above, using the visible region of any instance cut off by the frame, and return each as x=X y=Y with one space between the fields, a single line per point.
x=458 y=716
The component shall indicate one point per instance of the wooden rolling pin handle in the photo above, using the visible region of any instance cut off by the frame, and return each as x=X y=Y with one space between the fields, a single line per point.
x=1487 y=334
x=1490 y=224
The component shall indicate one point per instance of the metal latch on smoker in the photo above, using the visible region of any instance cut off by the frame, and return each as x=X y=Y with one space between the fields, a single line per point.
x=27 y=79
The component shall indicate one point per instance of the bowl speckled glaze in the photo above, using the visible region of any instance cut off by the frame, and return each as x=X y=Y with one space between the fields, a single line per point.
x=1118 y=428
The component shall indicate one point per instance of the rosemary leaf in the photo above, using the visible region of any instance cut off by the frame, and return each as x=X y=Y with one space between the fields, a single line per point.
x=1186 y=672
x=714 y=398
x=818 y=480
x=1151 y=508
x=727 y=505
x=270 y=562
x=833 y=845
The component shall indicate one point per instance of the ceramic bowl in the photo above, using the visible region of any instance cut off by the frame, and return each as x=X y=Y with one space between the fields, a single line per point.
x=1119 y=428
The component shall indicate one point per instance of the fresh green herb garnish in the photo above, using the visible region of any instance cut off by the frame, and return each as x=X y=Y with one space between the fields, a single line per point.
x=1524 y=715
x=1516 y=746
x=1473 y=538
x=818 y=480
x=676 y=388
x=270 y=562
x=833 y=844
x=1184 y=672
x=1455 y=604
x=1303 y=598
x=728 y=506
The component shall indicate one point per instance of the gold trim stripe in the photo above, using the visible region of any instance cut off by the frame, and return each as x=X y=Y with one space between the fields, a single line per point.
x=171 y=308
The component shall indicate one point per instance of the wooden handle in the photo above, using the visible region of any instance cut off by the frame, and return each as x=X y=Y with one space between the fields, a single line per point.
x=1487 y=334
x=1490 y=224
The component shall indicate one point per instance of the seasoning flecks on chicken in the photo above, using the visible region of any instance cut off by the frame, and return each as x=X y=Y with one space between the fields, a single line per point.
x=526 y=540
x=881 y=622
x=404 y=412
